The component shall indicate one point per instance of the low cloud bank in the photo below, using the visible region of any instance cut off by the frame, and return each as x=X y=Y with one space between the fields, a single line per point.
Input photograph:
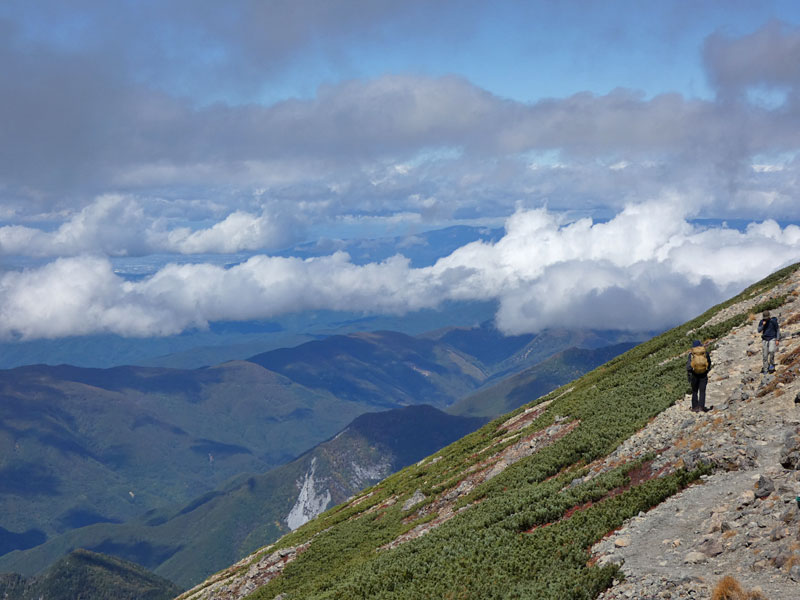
x=648 y=267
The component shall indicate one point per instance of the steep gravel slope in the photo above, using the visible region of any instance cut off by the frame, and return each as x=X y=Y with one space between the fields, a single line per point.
x=743 y=520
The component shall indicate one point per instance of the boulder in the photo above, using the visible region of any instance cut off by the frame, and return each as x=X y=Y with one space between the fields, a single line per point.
x=711 y=546
x=764 y=487
x=622 y=542
x=738 y=395
x=695 y=557
x=789 y=515
x=417 y=498
x=745 y=499
x=790 y=453
x=794 y=572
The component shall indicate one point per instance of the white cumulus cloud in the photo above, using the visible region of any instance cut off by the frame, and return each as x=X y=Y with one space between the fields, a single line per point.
x=118 y=225
x=645 y=268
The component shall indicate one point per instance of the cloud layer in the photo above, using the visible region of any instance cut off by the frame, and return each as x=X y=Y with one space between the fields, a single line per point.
x=162 y=128
x=645 y=268
x=81 y=124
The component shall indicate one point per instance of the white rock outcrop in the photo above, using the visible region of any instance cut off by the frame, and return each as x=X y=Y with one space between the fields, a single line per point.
x=310 y=502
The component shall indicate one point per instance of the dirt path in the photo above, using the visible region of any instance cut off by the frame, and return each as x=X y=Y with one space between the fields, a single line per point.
x=732 y=524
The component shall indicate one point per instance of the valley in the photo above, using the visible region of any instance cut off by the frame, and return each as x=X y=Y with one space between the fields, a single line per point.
x=133 y=461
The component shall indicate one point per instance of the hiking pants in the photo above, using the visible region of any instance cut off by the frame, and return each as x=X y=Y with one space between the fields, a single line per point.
x=698 y=383
x=768 y=353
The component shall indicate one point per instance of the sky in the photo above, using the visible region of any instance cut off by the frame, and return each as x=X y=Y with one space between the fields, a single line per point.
x=614 y=140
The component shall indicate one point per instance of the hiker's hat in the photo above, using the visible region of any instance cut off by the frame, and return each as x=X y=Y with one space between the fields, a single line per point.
x=696 y=343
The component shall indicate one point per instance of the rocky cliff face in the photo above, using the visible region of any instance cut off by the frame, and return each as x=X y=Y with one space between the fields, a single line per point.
x=311 y=501
x=317 y=492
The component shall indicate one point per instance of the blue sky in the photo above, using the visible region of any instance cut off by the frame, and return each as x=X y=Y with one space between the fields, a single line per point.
x=520 y=50
x=195 y=127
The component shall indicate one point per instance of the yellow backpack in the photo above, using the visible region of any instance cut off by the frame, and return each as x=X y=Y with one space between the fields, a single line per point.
x=699 y=361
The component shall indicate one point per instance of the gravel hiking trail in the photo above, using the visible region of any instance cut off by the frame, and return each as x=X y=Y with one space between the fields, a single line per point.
x=743 y=519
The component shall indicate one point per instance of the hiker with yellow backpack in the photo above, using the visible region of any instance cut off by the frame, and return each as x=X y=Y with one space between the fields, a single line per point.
x=697 y=366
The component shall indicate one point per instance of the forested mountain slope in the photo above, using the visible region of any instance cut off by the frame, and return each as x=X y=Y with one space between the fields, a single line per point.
x=186 y=542
x=516 y=390
x=513 y=509
x=91 y=576
x=85 y=446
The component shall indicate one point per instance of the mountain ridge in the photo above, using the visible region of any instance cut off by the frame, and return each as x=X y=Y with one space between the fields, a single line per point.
x=514 y=508
x=744 y=521
x=512 y=392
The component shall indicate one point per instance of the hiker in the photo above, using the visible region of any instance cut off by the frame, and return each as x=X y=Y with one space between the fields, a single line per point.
x=697 y=366
x=770 y=334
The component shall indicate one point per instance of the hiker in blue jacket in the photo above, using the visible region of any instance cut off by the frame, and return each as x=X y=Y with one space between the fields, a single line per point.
x=770 y=334
x=697 y=367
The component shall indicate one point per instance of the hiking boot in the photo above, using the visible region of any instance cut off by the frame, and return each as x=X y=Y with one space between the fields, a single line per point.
x=707 y=408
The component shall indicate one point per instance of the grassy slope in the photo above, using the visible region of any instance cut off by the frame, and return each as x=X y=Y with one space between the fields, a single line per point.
x=517 y=539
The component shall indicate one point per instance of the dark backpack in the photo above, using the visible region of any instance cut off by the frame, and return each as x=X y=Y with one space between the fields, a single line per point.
x=770 y=328
x=699 y=361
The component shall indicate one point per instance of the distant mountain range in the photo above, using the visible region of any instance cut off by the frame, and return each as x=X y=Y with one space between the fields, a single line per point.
x=228 y=340
x=94 y=458
x=516 y=390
